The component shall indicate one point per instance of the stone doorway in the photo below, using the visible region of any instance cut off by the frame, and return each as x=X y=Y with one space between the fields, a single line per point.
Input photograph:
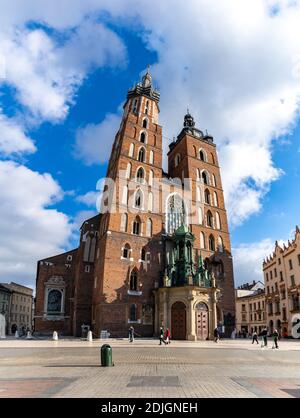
x=178 y=321
x=202 y=326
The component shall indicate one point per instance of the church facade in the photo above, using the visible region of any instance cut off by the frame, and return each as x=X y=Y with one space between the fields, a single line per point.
x=159 y=251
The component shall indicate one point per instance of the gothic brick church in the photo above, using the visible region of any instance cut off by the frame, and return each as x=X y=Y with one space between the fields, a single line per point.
x=159 y=251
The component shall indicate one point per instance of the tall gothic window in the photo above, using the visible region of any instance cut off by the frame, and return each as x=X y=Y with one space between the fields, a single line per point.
x=143 y=137
x=207 y=196
x=133 y=316
x=141 y=156
x=133 y=285
x=124 y=222
x=202 y=240
x=145 y=123
x=205 y=177
x=202 y=155
x=140 y=176
x=211 y=242
x=149 y=228
x=138 y=200
x=210 y=219
x=176 y=213
x=126 y=251
x=131 y=150
x=137 y=226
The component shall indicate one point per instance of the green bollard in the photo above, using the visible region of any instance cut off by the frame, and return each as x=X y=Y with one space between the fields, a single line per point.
x=106 y=356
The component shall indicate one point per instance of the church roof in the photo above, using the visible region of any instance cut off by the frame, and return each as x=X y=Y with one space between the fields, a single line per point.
x=144 y=88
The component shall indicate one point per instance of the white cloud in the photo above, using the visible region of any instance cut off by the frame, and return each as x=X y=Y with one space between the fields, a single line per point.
x=248 y=260
x=47 y=74
x=30 y=228
x=94 y=142
x=89 y=198
x=12 y=137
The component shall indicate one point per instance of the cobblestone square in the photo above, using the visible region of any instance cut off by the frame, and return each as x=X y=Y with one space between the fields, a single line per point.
x=143 y=369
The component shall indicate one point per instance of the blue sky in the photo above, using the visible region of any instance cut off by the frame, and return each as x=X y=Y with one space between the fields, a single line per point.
x=67 y=72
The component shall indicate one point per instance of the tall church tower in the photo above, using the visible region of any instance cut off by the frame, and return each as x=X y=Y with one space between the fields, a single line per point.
x=194 y=156
x=129 y=257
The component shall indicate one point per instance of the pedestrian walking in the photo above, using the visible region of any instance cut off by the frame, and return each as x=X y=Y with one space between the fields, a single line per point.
x=264 y=335
x=216 y=335
x=131 y=334
x=168 y=336
x=255 y=338
x=275 y=338
x=161 y=336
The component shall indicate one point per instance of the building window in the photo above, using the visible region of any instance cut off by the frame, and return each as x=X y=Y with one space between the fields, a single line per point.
x=207 y=196
x=212 y=245
x=126 y=251
x=54 y=302
x=279 y=261
x=205 y=177
x=271 y=275
x=131 y=150
x=270 y=308
x=69 y=258
x=177 y=160
x=87 y=268
x=143 y=255
x=275 y=272
x=133 y=316
x=291 y=264
x=295 y=302
x=293 y=280
x=141 y=155
x=218 y=221
x=175 y=213
x=143 y=138
x=210 y=219
x=145 y=123
x=137 y=226
x=133 y=285
x=281 y=276
x=151 y=157
x=299 y=259
x=140 y=175
x=202 y=155
x=243 y=308
x=138 y=200
x=135 y=104
x=267 y=277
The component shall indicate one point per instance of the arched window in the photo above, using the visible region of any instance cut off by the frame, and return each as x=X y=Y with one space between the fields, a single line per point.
x=133 y=315
x=150 y=202
x=135 y=104
x=140 y=175
x=212 y=158
x=220 y=245
x=207 y=196
x=125 y=195
x=133 y=285
x=211 y=243
x=216 y=202
x=175 y=213
x=202 y=155
x=147 y=107
x=200 y=216
x=131 y=150
x=143 y=254
x=210 y=219
x=128 y=171
x=151 y=157
x=218 y=221
x=138 y=199
x=213 y=180
x=126 y=251
x=136 y=230
x=198 y=174
x=54 y=302
x=124 y=222
x=149 y=231
x=198 y=196
x=195 y=151
x=205 y=177
x=143 y=138
x=177 y=160
x=142 y=154
x=154 y=140
x=151 y=176
x=202 y=240
x=145 y=123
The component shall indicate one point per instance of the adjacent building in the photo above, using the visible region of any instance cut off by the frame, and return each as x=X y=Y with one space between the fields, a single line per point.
x=250 y=308
x=159 y=253
x=282 y=280
x=19 y=304
x=5 y=298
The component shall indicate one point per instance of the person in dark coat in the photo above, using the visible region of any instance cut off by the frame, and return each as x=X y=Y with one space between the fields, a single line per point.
x=131 y=334
x=255 y=337
x=264 y=334
x=275 y=338
x=161 y=336
x=216 y=335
